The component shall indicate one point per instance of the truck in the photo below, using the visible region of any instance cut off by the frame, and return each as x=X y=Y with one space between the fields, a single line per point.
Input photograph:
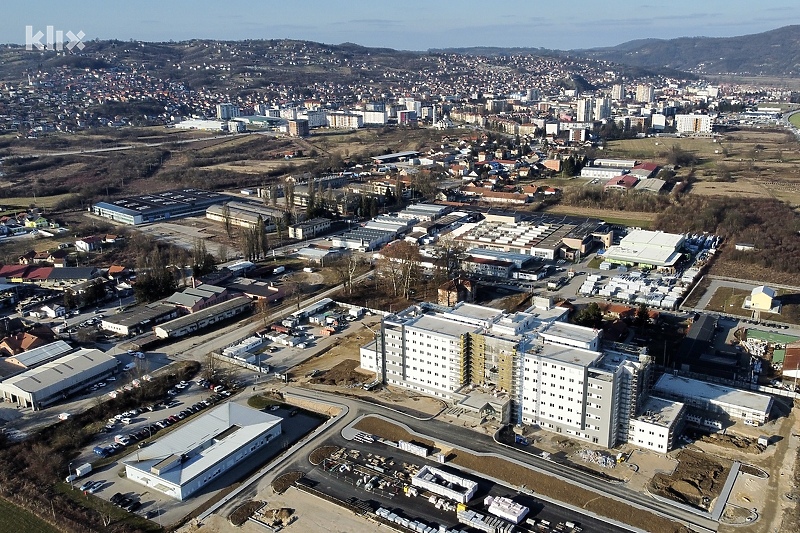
x=279 y=270
x=79 y=472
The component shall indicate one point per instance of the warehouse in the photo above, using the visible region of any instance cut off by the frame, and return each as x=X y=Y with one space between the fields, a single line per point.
x=186 y=325
x=645 y=248
x=713 y=398
x=54 y=381
x=139 y=319
x=198 y=453
x=245 y=214
x=158 y=206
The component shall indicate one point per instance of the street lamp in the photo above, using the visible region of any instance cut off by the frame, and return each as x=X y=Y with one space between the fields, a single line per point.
x=71 y=479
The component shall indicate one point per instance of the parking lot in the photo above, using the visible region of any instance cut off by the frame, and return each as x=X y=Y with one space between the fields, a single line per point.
x=145 y=426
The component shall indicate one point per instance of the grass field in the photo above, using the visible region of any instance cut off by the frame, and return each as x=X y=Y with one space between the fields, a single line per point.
x=795 y=120
x=23 y=202
x=729 y=300
x=18 y=520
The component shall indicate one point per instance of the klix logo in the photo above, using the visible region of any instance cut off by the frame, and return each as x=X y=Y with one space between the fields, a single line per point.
x=54 y=40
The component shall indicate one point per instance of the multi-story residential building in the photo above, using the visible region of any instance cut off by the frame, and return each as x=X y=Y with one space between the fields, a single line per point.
x=227 y=111
x=645 y=93
x=553 y=372
x=617 y=92
x=693 y=124
x=585 y=107
x=298 y=128
x=341 y=120
x=602 y=108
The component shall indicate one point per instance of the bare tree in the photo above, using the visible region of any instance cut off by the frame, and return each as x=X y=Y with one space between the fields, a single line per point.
x=263 y=310
x=226 y=220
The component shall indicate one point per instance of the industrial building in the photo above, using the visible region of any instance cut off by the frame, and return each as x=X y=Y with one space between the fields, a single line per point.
x=647 y=249
x=546 y=367
x=193 y=299
x=198 y=453
x=245 y=214
x=153 y=207
x=51 y=382
x=310 y=228
x=204 y=318
x=715 y=399
x=139 y=319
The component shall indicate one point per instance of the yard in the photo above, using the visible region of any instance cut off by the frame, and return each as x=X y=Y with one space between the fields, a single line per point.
x=18 y=520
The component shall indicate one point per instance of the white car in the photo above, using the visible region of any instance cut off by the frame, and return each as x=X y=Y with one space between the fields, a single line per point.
x=64 y=416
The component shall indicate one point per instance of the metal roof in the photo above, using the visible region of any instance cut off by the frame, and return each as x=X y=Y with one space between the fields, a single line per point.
x=42 y=354
x=63 y=371
x=205 y=442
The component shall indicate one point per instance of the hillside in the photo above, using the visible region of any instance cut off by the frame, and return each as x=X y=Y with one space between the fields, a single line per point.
x=772 y=53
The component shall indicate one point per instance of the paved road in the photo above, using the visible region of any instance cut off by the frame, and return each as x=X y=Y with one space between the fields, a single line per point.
x=457 y=436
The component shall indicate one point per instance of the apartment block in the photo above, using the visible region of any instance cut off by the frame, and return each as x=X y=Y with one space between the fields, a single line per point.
x=553 y=373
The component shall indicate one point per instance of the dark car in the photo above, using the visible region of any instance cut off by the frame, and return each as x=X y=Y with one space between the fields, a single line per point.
x=116 y=497
x=150 y=514
x=125 y=502
x=134 y=506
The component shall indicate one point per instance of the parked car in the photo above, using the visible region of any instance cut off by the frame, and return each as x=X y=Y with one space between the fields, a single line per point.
x=125 y=502
x=116 y=498
x=86 y=485
x=134 y=506
x=97 y=485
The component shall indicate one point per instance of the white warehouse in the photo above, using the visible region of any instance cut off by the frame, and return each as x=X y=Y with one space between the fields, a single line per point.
x=198 y=453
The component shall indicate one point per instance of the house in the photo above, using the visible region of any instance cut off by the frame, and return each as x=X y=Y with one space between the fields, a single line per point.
x=89 y=244
x=761 y=299
x=21 y=342
x=36 y=221
x=117 y=272
x=58 y=258
x=53 y=310
x=27 y=258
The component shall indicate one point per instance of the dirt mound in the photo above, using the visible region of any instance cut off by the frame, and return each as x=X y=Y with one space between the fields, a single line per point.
x=318 y=455
x=343 y=374
x=240 y=515
x=697 y=480
x=280 y=484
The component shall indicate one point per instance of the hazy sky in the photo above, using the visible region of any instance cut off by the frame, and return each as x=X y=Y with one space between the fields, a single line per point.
x=404 y=24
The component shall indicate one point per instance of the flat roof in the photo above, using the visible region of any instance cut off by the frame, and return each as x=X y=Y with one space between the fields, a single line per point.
x=63 y=368
x=659 y=411
x=570 y=331
x=176 y=199
x=712 y=392
x=205 y=441
x=568 y=355
x=440 y=325
x=474 y=312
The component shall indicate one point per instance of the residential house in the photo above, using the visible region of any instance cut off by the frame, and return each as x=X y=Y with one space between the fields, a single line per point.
x=90 y=244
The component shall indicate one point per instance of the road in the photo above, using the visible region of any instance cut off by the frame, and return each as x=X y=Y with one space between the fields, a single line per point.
x=198 y=347
x=124 y=147
x=449 y=434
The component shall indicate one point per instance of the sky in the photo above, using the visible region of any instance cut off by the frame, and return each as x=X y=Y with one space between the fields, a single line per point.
x=404 y=24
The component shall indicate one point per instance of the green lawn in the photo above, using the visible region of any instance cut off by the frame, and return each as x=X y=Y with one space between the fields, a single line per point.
x=261 y=402
x=795 y=120
x=23 y=202
x=15 y=519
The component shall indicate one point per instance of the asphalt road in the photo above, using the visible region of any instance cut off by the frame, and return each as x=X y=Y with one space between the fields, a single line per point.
x=443 y=432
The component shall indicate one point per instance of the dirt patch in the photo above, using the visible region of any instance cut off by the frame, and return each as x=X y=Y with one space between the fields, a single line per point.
x=376 y=426
x=316 y=457
x=275 y=518
x=342 y=374
x=551 y=487
x=240 y=515
x=697 y=480
x=281 y=483
x=734 y=442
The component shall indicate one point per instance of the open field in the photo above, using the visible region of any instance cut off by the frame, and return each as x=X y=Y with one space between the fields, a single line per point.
x=729 y=300
x=18 y=520
x=795 y=120
x=24 y=202
x=255 y=166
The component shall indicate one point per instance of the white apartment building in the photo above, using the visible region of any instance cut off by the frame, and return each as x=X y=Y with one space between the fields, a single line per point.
x=645 y=93
x=227 y=111
x=602 y=108
x=617 y=92
x=585 y=107
x=693 y=124
x=341 y=120
x=553 y=371
x=317 y=118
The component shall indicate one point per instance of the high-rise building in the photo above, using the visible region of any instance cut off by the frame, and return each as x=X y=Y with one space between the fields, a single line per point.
x=227 y=111
x=602 y=108
x=298 y=128
x=617 y=92
x=554 y=373
x=585 y=109
x=645 y=93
